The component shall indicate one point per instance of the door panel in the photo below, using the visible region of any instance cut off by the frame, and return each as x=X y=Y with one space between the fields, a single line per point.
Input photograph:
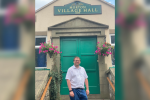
x=87 y=47
x=69 y=47
x=84 y=48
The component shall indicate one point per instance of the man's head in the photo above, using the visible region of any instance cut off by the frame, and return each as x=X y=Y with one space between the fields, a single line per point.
x=76 y=61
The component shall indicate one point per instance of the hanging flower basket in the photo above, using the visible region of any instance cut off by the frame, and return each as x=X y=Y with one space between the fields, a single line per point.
x=20 y=15
x=49 y=49
x=131 y=18
x=103 y=49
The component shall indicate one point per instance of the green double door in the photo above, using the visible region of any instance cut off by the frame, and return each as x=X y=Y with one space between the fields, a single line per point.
x=83 y=48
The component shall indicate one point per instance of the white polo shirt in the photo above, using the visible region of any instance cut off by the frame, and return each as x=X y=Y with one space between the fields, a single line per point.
x=76 y=76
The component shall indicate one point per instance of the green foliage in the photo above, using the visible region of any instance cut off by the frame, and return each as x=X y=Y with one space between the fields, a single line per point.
x=55 y=83
x=104 y=49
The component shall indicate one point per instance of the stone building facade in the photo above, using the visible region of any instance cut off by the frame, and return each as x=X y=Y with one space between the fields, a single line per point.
x=84 y=26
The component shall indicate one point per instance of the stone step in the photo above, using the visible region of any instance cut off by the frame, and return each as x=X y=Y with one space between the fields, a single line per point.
x=90 y=97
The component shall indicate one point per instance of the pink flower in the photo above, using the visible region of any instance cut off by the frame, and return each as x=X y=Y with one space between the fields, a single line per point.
x=107 y=52
x=52 y=43
x=61 y=52
x=44 y=42
x=40 y=51
x=30 y=15
x=109 y=49
x=103 y=45
x=103 y=54
x=110 y=53
x=11 y=9
x=56 y=47
x=49 y=49
x=96 y=51
x=97 y=42
x=99 y=48
x=132 y=8
x=140 y=21
x=99 y=53
x=48 y=41
x=120 y=20
x=40 y=47
x=52 y=48
x=55 y=51
x=44 y=51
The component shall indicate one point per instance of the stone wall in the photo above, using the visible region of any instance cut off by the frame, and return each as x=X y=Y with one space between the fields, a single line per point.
x=104 y=89
x=41 y=79
x=111 y=74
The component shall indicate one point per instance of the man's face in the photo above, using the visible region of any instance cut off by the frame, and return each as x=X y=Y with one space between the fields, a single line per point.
x=76 y=61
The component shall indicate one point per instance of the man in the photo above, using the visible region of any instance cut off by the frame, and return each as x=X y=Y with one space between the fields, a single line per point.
x=76 y=77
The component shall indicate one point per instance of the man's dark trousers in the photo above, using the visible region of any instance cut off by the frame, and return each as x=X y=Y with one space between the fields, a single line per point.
x=79 y=94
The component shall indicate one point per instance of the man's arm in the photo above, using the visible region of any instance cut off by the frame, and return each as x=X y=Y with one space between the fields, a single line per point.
x=87 y=86
x=68 y=78
x=69 y=84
